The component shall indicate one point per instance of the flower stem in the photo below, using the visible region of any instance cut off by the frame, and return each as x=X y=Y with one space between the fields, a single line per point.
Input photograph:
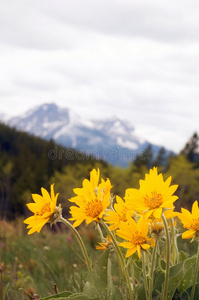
x=121 y=258
x=100 y=233
x=132 y=274
x=195 y=275
x=174 y=244
x=80 y=241
x=152 y=270
x=168 y=254
x=144 y=275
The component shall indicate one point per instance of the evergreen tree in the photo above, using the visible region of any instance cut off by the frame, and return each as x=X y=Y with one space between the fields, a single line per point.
x=186 y=176
x=161 y=159
x=145 y=159
x=191 y=149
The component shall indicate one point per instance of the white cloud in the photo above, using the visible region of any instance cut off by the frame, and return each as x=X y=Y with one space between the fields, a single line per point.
x=134 y=59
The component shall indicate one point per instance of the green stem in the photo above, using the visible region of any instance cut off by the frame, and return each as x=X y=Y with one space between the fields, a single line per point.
x=100 y=233
x=144 y=275
x=195 y=275
x=80 y=241
x=174 y=244
x=132 y=274
x=152 y=270
x=168 y=254
x=121 y=258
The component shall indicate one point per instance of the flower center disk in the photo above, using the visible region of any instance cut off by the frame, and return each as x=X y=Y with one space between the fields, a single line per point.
x=195 y=225
x=154 y=201
x=94 y=208
x=138 y=239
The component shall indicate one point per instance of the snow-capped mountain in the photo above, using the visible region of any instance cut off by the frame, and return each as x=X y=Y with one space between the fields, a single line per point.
x=112 y=140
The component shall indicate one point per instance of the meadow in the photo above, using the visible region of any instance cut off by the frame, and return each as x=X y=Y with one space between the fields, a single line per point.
x=43 y=264
x=39 y=265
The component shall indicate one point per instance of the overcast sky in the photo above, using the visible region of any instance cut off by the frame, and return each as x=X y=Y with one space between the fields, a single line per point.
x=138 y=60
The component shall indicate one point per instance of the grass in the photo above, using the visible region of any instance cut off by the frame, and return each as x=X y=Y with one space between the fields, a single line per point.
x=41 y=263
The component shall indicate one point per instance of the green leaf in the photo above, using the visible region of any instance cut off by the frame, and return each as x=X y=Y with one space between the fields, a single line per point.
x=186 y=281
x=57 y=296
x=179 y=277
x=186 y=294
x=158 y=281
x=187 y=276
x=113 y=293
x=99 y=284
x=174 y=279
x=137 y=272
x=80 y=296
x=141 y=292
x=116 y=296
x=182 y=256
x=69 y=295
x=96 y=285
x=5 y=291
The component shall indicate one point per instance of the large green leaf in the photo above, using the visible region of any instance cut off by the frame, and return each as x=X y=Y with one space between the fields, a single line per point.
x=180 y=278
x=174 y=279
x=96 y=285
x=186 y=294
x=158 y=281
x=99 y=283
x=182 y=256
x=187 y=276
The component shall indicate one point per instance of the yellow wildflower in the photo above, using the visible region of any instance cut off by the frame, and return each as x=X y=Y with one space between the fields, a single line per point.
x=104 y=246
x=92 y=200
x=190 y=221
x=44 y=209
x=154 y=195
x=121 y=214
x=137 y=236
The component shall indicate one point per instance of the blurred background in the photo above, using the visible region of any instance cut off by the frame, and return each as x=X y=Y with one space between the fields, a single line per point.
x=117 y=82
x=95 y=84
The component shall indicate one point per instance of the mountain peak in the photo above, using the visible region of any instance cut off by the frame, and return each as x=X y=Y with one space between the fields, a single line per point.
x=113 y=139
x=48 y=111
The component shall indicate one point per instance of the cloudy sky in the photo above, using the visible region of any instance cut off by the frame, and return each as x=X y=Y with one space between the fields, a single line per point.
x=138 y=60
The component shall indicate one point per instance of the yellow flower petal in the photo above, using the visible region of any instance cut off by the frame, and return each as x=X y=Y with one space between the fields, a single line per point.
x=94 y=177
x=43 y=209
x=195 y=210
x=188 y=234
x=45 y=195
x=145 y=246
x=131 y=251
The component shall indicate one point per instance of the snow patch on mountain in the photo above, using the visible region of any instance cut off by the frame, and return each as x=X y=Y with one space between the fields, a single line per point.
x=109 y=139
